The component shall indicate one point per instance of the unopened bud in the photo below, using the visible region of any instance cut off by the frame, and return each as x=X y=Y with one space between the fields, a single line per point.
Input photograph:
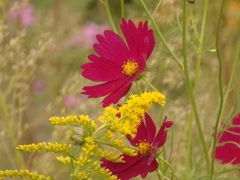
x=191 y=1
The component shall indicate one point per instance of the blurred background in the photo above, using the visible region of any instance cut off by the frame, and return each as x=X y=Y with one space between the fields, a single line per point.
x=44 y=42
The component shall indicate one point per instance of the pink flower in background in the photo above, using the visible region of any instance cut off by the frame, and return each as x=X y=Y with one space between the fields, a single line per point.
x=22 y=12
x=38 y=84
x=228 y=149
x=73 y=100
x=87 y=36
x=70 y=100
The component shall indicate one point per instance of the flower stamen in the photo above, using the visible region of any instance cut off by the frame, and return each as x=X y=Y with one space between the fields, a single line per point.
x=130 y=67
x=144 y=148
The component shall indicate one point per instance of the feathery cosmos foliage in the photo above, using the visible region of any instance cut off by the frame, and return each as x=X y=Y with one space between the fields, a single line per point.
x=118 y=63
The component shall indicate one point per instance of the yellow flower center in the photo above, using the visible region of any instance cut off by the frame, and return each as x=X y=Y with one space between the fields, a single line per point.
x=130 y=67
x=144 y=148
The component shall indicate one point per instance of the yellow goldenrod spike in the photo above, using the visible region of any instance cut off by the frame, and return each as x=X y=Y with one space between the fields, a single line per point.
x=45 y=147
x=23 y=174
x=103 y=171
x=73 y=120
x=64 y=160
x=83 y=175
x=110 y=155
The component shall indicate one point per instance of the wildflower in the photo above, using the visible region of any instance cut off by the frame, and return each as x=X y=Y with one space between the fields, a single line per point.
x=70 y=101
x=86 y=36
x=228 y=150
x=22 y=11
x=38 y=85
x=24 y=173
x=148 y=143
x=118 y=63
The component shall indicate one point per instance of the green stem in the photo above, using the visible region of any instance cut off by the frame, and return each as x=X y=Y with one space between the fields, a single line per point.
x=138 y=87
x=220 y=88
x=160 y=35
x=110 y=16
x=229 y=86
x=196 y=80
x=189 y=86
x=169 y=165
x=155 y=10
x=145 y=80
x=122 y=8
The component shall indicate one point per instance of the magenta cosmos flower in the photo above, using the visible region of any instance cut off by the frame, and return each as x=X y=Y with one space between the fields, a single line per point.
x=148 y=143
x=228 y=150
x=118 y=63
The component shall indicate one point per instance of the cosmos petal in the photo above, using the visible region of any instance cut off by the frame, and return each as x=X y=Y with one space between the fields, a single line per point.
x=152 y=167
x=115 y=96
x=161 y=136
x=132 y=167
x=103 y=89
x=141 y=134
x=151 y=128
x=140 y=39
x=101 y=70
x=228 y=150
x=228 y=153
x=112 y=48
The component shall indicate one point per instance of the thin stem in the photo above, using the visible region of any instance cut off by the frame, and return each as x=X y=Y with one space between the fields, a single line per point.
x=145 y=80
x=110 y=16
x=155 y=10
x=205 y=10
x=189 y=86
x=169 y=165
x=234 y=68
x=138 y=87
x=196 y=80
x=189 y=146
x=220 y=88
x=122 y=8
x=160 y=35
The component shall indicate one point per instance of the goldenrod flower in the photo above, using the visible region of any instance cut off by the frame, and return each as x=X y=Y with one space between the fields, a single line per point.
x=45 y=147
x=23 y=174
x=127 y=117
x=73 y=120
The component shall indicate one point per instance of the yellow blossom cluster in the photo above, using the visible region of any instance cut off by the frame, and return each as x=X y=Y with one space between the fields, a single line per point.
x=88 y=150
x=85 y=161
x=126 y=118
x=23 y=174
x=73 y=120
x=45 y=147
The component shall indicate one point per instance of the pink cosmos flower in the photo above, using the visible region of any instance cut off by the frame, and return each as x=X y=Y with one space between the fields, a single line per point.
x=228 y=150
x=70 y=100
x=22 y=12
x=38 y=84
x=148 y=143
x=118 y=63
x=87 y=36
